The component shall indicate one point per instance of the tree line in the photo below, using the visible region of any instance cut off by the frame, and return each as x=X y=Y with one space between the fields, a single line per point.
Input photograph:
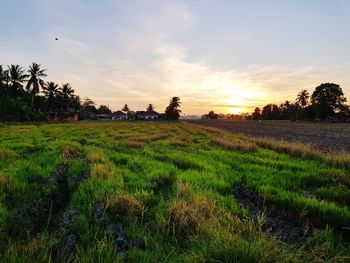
x=172 y=111
x=327 y=102
x=25 y=95
x=20 y=98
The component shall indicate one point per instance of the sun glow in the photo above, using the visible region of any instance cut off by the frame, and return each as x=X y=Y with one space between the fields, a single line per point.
x=235 y=110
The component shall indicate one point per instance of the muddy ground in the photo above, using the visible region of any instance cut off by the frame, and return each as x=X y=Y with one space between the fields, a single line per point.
x=323 y=136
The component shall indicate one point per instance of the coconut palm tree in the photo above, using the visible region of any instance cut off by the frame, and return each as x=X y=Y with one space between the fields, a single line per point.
x=16 y=77
x=51 y=92
x=172 y=112
x=126 y=108
x=150 y=107
x=67 y=93
x=3 y=80
x=303 y=98
x=35 y=80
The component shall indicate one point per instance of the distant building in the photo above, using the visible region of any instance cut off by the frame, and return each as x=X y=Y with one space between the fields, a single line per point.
x=119 y=115
x=147 y=115
x=63 y=116
x=103 y=116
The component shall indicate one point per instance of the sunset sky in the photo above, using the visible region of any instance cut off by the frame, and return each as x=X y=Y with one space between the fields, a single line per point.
x=228 y=56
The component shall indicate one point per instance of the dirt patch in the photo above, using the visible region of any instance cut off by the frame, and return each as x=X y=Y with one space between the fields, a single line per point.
x=46 y=211
x=323 y=136
x=114 y=230
x=283 y=224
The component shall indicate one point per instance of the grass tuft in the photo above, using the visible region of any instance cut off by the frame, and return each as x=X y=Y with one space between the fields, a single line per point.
x=183 y=189
x=5 y=153
x=5 y=181
x=186 y=217
x=132 y=144
x=234 y=143
x=70 y=150
x=102 y=171
x=126 y=204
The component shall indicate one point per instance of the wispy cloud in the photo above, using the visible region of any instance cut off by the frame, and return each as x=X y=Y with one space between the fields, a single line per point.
x=140 y=61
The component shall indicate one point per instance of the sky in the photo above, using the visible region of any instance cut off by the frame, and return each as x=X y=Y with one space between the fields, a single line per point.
x=223 y=55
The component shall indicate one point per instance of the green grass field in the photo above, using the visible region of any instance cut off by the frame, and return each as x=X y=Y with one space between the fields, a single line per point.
x=66 y=188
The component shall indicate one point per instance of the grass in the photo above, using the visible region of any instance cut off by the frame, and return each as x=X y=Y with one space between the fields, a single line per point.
x=169 y=184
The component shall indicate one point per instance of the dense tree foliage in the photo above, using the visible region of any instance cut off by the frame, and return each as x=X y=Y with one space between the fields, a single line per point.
x=27 y=97
x=211 y=115
x=327 y=102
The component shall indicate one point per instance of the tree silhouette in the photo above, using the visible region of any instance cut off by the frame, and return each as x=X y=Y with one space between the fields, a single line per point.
x=327 y=99
x=67 y=93
x=16 y=78
x=3 y=81
x=256 y=114
x=270 y=112
x=150 y=107
x=35 y=80
x=172 y=112
x=303 y=98
x=51 y=92
x=103 y=109
x=126 y=108
x=212 y=115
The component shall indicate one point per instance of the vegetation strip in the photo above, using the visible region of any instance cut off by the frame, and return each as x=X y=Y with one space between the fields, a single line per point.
x=167 y=201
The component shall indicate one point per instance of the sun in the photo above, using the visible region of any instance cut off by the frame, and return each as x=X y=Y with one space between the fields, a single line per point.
x=235 y=110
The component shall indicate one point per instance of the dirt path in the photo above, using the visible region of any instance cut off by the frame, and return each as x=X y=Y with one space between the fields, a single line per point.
x=324 y=136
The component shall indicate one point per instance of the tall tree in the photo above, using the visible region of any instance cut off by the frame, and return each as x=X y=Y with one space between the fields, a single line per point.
x=3 y=81
x=303 y=98
x=172 y=112
x=35 y=80
x=16 y=78
x=327 y=99
x=126 y=108
x=89 y=107
x=256 y=114
x=51 y=92
x=150 y=107
x=67 y=93
x=104 y=109
x=270 y=112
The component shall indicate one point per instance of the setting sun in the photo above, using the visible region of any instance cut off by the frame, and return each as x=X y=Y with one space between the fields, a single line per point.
x=235 y=110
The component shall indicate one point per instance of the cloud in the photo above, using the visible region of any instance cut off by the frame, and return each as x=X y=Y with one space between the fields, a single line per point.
x=143 y=61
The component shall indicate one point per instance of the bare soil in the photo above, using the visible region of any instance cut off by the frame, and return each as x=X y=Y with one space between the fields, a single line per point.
x=327 y=137
x=285 y=225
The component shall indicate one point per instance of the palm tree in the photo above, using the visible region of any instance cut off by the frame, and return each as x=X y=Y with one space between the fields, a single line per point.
x=303 y=98
x=67 y=93
x=172 y=112
x=150 y=107
x=51 y=91
x=16 y=77
x=3 y=80
x=35 y=80
x=126 y=108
